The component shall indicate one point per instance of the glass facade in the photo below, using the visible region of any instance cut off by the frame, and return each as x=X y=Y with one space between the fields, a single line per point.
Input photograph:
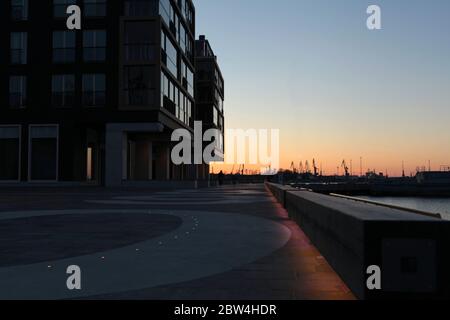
x=166 y=11
x=187 y=78
x=81 y=68
x=170 y=54
x=186 y=11
x=174 y=100
x=177 y=25
x=177 y=81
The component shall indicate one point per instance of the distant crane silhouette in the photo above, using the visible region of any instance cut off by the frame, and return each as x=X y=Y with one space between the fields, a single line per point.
x=346 y=169
x=316 y=170
x=403 y=169
x=300 y=167
x=307 y=168
x=293 y=169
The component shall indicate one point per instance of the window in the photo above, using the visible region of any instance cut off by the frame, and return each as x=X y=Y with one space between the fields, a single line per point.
x=139 y=91
x=10 y=151
x=18 y=47
x=163 y=89
x=63 y=90
x=170 y=54
x=186 y=11
x=43 y=153
x=166 y=10
x=94 y=8
x=221 y=123
x=94 y=90
x=63 y=46
x=215 y=117
x=138 y=42
x=189 y=111
x=175 y=101
x=182 y=37
x=94 y=45
x=17 y=91
x=60 y=7
x=187 y=78
x=220 y=105
x=19 y=10
x=190 y=81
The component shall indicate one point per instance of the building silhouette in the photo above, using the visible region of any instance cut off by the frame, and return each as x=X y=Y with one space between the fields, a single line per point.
x=209 y=92
x=97 y=104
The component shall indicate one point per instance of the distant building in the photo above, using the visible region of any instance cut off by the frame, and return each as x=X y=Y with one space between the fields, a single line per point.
x=209 y=90
x=433 y=177
x=98 y=104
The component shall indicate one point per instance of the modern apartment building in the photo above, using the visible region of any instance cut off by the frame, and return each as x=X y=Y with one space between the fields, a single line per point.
x=97 y=104
x=209 y=91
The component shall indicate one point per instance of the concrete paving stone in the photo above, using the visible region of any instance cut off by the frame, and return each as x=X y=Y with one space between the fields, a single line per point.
x=291 y=269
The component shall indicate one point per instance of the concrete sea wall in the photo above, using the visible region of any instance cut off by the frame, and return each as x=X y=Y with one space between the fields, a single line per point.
x=411 y=250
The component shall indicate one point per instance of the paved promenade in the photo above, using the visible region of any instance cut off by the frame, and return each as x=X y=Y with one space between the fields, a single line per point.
x=234 y=242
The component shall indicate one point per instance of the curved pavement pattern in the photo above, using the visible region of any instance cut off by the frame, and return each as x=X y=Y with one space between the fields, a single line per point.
x=229 y=243
x=205 y=243
x=213 y=197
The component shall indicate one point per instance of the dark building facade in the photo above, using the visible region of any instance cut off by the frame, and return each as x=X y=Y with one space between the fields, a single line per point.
x=97 y=104
x=209 y=91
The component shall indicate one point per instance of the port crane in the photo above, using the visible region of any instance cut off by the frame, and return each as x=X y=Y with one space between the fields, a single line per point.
x=293 y=169
x=346 y=169
x=300 y=168
x=307 y=168
x=240 y=170
x=316 y=170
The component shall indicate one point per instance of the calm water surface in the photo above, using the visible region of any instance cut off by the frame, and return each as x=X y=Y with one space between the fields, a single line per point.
x=433 y=205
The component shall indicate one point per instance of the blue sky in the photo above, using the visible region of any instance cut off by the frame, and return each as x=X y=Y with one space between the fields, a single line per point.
x=334 y=88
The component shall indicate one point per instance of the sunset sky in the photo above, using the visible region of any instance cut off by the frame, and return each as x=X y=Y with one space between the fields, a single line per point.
x=336 y=90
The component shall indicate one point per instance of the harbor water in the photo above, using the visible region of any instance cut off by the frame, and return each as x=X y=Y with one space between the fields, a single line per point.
x=432 y=205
